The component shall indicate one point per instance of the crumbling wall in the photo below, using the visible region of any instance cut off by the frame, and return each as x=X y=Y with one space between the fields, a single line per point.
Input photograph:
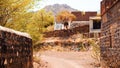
x=65 y=45
x=15 y=49
x=69 y=32
x=110 y=40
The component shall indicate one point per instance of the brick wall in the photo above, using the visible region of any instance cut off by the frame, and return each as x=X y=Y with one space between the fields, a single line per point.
x=110 y=40
x=84 y=16
x=15 y=49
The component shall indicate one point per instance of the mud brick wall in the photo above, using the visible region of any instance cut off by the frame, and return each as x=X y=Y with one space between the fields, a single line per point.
x=69 y=32
x=15 y=49
x=110 y=40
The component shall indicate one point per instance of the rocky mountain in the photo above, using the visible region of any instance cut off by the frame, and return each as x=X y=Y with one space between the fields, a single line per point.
x=56 y=8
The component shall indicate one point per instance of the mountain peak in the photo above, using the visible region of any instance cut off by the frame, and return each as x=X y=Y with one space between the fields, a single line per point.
x=56 y=8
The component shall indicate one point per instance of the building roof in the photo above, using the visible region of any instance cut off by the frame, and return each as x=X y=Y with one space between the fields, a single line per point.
x=84 y=16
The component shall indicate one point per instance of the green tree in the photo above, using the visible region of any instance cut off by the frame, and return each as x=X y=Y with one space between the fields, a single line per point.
x=19 y=22
x=34 y=23
x=11 y=8
x=15 y=14
x=39 y=22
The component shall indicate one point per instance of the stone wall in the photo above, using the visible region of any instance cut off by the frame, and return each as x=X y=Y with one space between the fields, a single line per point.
x=65 y=45
x=110 y=40
x=69 y=32
x=15 y=49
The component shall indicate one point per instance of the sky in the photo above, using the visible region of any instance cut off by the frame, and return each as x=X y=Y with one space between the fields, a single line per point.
x=81 y=5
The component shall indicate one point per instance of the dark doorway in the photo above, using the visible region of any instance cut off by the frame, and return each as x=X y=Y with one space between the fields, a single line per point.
x=66 y=25
x=96 y=24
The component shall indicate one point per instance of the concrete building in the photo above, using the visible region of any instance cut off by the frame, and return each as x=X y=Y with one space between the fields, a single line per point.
x=60 y=26
x=92 y=19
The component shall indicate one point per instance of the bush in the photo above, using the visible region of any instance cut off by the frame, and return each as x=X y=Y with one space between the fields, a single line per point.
x=95 y=49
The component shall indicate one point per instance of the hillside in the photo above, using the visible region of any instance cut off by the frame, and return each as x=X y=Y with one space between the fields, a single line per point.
x=56 y=8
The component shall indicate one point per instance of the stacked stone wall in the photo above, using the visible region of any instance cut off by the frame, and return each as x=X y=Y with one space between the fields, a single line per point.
x=110 y=39
x=15 y=49
x=69 y=32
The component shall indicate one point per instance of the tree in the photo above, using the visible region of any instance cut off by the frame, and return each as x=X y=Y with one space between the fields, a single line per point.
x=65 y=17
x=11 y=8
x=39 y=23
x=43 y=18
x=34 y=23
x=15 y=14
x=19 y=22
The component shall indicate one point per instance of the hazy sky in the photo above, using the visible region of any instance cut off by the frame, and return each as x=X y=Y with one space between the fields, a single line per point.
x=82 y=5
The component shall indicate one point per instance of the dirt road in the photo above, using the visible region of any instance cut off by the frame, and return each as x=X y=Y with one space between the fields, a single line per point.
x=68 y=59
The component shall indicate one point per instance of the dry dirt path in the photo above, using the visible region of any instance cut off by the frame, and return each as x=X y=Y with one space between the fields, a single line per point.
x=68 y=59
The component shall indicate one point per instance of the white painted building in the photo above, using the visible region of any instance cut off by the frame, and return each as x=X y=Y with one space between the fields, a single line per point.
x=60 y=26
x=95 y=24
x=87 y=18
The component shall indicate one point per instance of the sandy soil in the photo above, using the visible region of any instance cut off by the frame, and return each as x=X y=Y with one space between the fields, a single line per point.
x=68 y=59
